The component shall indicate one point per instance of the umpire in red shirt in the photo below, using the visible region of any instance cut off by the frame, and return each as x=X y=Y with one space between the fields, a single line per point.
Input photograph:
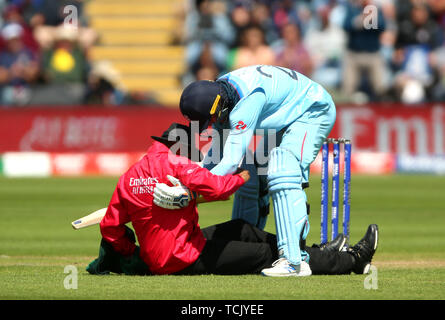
x=172 y=241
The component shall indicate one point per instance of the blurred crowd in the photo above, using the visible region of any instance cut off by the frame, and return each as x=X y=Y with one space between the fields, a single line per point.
x=44 y=56
x=361 y=50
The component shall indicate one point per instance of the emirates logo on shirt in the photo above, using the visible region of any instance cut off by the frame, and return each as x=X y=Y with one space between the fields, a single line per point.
x=240 y=125
x=143 y=185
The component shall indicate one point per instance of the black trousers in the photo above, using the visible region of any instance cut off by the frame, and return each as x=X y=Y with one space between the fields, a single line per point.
x=237 y=247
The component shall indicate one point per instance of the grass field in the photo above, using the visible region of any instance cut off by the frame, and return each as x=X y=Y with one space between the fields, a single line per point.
x=37 y=242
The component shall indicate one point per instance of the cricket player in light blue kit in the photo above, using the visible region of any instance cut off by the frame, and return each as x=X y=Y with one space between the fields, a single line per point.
x=278 y=100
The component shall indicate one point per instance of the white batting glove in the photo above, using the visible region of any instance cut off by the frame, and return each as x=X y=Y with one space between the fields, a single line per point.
x=176 y=197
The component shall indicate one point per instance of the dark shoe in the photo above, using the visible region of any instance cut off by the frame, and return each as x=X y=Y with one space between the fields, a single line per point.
x=335 y=245
x=364 y=250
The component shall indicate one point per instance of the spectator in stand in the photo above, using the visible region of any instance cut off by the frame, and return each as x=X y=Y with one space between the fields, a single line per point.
x=65 y=62
x=65 y=70
x=204 y=69
x=104 y=85
x=326 y=45
x=241 y=19
x=48 y=15
x=438 y=62
x=291 y=53
x=387 y=41
x=284 y=13
x=438 y=55
x=208 y=24
x=253 y=50
x=18 y=67
x=418 y=36
x=261 y=16
x=306 y=14
x=418 y=28
x=13 y=14
x=363 y=54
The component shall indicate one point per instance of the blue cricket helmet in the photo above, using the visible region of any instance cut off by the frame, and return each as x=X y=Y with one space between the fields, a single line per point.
x=200 y=101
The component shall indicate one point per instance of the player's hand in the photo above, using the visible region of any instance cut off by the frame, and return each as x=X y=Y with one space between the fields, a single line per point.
x=244 y=174
x=176 y=197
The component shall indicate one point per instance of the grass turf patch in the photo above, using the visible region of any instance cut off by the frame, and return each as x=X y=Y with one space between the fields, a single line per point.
x=37 y=242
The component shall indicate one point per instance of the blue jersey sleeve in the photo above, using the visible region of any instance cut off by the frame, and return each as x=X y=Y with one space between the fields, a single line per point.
x=243 y=121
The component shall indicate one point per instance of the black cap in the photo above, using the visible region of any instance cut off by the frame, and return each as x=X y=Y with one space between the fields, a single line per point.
x=175 y=134
x=197 y=101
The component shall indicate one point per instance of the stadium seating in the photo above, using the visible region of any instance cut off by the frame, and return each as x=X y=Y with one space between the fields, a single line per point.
x=136 y=37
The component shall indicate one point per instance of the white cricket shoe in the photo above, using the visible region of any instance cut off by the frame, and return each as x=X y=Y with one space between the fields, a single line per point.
x=282 y=268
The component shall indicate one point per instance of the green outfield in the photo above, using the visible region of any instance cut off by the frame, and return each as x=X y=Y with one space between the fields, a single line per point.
x=37 y=243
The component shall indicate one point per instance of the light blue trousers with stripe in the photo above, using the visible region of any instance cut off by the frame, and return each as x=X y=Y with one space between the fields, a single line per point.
x=288 y=168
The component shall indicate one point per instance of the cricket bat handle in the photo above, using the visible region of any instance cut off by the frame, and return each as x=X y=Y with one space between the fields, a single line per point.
x=89 y=220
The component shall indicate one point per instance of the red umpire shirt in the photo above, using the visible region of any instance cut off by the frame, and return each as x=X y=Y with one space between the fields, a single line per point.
x=170 y=240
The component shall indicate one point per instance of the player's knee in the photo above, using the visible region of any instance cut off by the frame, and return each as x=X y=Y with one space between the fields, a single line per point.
x=284 y=171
